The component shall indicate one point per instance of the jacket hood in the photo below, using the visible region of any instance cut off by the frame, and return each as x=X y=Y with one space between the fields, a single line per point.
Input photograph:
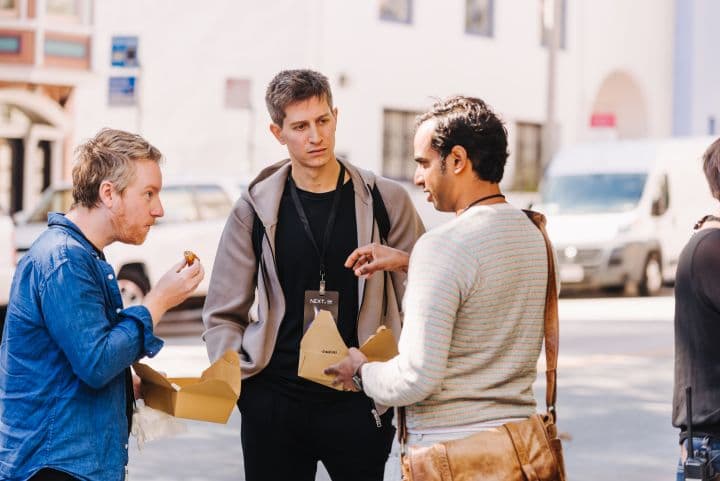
x=265 y=191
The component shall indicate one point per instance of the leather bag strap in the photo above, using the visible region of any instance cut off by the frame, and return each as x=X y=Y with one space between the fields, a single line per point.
x=552 y=332
x=552 y=326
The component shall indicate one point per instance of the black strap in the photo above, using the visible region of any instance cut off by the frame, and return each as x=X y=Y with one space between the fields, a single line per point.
x=381 y=214
x=322 y=253
x=129 y=398
x=258 y=232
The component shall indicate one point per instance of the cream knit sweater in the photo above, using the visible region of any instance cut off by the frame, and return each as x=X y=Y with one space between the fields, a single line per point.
x=473 y=329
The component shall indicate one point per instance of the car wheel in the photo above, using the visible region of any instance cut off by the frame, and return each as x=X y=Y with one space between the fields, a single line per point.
x=133 y=287
x=652 y=279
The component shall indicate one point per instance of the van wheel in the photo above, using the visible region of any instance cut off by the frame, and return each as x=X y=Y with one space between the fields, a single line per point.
x=652 y=279
x=134 y=285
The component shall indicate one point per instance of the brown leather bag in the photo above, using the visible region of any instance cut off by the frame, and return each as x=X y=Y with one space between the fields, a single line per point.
x=527 y=450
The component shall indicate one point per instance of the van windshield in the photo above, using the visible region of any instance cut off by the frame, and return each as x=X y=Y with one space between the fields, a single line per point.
x=589 y=193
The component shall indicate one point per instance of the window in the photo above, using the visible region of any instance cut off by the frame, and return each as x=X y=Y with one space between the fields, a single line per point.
x=67 y=51
x=63 y=9
x=528 y=168
x=398 y=132
x=396 y=10
x=547 y=17
x=479 y=17
x=65 y=48
x=8 y=8
x=590 y=193
x=9 y=43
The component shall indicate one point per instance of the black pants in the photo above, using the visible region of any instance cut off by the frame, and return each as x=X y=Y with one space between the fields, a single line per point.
x=284 y=438
x=47 y=474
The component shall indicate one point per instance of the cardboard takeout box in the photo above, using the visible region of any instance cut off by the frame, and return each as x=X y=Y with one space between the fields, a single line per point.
x=322 y=346
x=211 y=397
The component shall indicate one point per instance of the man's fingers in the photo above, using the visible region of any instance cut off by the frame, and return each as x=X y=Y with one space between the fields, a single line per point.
x=362 y=260
x=178 y=267
x=364 y=251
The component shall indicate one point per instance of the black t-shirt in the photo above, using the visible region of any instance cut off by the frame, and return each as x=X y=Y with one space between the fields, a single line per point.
x=697 y=334
x=299 y=271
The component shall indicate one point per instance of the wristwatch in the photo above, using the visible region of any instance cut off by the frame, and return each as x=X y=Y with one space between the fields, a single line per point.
x=357 y=382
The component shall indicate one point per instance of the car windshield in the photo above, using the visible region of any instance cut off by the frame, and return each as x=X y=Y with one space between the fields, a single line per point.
x=583 y=194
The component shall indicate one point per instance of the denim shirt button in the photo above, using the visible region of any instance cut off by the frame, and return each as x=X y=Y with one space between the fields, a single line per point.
x=117 y=311
x=110 y=276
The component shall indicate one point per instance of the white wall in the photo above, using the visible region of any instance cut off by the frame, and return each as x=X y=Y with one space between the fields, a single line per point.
x=188 y=49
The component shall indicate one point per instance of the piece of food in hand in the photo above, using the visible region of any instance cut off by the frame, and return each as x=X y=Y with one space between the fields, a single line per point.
x=190 y=257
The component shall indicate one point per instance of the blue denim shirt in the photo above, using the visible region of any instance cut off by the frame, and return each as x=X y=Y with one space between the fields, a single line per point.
x=65 y=346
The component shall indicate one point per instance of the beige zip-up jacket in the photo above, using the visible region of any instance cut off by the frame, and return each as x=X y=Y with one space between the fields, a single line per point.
x=245 y=304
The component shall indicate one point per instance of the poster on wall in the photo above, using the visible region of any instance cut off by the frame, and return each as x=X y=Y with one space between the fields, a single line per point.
x=122 y=91
x=124 y=52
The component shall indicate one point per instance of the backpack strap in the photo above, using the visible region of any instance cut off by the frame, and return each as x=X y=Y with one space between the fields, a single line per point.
x=380 y=214
x=258 y=231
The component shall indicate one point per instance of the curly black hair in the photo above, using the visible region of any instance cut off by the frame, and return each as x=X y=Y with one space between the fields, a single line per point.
x=471 y=124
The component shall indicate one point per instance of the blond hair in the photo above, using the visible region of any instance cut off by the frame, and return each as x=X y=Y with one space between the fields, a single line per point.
x=109 y=156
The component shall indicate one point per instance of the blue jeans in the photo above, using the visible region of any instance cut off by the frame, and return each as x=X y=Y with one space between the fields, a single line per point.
x=712 y=445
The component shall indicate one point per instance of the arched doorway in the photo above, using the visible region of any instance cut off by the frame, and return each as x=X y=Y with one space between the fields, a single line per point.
x=620 y=107
x=33 y=129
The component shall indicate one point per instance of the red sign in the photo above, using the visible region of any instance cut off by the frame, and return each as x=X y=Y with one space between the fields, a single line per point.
x=602 y=120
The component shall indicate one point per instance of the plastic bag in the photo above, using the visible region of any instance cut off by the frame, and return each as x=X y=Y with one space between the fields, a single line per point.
x=149 y=424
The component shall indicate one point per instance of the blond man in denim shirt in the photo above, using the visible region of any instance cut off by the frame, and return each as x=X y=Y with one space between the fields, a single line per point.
x=65 y=385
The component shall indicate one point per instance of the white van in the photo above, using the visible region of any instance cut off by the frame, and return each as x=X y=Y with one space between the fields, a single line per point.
x=620 y=212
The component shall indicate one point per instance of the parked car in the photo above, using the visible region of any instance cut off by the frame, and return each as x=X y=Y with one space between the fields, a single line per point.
x=619 y=213
x=7 y=258
x=195 y=214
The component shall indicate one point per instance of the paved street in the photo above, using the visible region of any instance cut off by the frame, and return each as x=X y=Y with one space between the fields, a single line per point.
x=615 y=389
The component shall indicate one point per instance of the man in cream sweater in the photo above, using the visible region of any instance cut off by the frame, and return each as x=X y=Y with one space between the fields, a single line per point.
x=475 y=298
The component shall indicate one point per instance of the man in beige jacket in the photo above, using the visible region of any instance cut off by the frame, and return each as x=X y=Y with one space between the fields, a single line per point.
x=313 y=211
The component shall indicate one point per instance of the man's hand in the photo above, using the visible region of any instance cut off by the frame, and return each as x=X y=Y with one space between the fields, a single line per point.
x=137 y=385
x=368 y=259
x=346 y=369
x=173 y=288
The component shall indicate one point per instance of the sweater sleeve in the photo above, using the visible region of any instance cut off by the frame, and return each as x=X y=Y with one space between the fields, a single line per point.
x=441 y=274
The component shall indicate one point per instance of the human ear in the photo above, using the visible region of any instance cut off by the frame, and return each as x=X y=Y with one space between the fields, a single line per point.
x=106 y=192
x=459 y=157
x=277 y=132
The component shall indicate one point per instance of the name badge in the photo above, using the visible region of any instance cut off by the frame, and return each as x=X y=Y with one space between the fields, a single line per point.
x=314 y=302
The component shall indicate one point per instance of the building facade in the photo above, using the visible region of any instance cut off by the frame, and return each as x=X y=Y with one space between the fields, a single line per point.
x=191 y=77
x=696 y=88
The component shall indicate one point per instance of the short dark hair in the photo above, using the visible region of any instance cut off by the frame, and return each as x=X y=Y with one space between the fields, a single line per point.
x=711 y=166
x=110 y=155
x=471 y=124
x=292 y=86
